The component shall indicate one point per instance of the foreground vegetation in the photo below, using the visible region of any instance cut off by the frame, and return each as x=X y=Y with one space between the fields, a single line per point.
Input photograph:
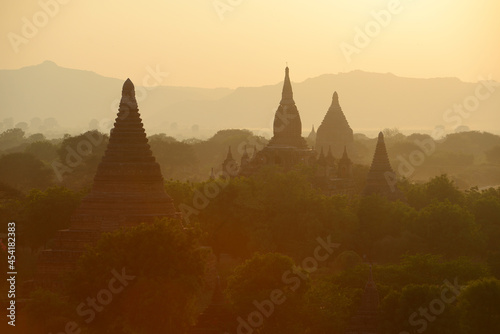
x=441 y=238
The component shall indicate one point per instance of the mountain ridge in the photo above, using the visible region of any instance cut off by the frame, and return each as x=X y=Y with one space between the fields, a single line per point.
x=410 y=104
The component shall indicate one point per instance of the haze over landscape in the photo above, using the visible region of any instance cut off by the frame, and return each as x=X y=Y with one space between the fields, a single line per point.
x=234 y=166
x=368 y=51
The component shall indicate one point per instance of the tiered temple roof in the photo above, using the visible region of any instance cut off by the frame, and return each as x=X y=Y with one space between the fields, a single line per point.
x=334 y=131
x=128 y=189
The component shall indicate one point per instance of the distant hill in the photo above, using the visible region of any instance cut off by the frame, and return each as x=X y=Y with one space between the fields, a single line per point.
x=371 y=102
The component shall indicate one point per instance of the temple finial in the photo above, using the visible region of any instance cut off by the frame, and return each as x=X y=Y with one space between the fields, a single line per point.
x=128 y=101
x=287 y=93
x=128 y=86
x=335 y=100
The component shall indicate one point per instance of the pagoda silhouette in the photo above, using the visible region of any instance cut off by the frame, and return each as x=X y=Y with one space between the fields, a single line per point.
x=128 y=189
x=334 y=132
x=381 y=178
x=287 y=147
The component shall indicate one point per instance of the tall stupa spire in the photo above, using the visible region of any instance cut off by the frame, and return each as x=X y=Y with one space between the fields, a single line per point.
x=287 y=126
x=128 y=101
x=287 y=93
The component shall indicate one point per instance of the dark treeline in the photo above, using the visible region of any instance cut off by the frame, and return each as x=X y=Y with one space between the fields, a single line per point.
x=32 y=161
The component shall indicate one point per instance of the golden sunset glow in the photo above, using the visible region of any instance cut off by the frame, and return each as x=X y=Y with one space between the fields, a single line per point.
x=247 y=42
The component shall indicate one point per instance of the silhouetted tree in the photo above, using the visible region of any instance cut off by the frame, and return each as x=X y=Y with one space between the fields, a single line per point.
x=164 y=264
x=24 y=171
x=46 y=212
x=11 y=138
x=267 y=291
x=480 y=307
x=43 y=150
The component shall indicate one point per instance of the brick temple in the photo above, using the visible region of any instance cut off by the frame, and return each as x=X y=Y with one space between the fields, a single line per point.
x=128 y=189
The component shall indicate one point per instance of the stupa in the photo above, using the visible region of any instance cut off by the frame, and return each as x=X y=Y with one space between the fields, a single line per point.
x=381 y=178
x=334 y=132
x=128 y=189
x=287 y=147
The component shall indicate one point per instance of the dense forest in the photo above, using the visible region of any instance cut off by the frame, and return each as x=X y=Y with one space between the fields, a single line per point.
x=435 y=257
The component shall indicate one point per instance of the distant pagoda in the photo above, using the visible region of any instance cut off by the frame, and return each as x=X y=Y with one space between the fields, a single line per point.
x=381 y=178
x=311 y=138
x=287 y=147
x=365 y=321
x=334 y=131
x=128 y=189
x=229 y=166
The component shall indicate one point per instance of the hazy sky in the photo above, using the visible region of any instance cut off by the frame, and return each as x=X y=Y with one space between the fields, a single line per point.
x=248 y=42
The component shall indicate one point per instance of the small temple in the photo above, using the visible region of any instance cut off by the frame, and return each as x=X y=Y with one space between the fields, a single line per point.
x=381 y=178
x=128 y=189
x=335 y=132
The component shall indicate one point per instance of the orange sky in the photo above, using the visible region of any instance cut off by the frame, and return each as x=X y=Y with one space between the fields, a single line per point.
x=248 y=42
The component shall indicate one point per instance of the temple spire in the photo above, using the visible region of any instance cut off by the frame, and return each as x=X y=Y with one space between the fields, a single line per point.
x=380 y=158
x=344 y=155
x=381 y=178
x=287 y=93
x=335 y=100
x=229 y=166
x=128 y=101
x=334 y=130
x=287 y=126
